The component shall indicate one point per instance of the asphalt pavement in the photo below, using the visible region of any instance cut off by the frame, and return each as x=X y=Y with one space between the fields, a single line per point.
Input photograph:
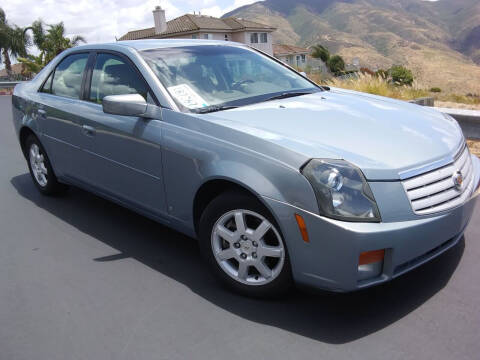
x=82 y=278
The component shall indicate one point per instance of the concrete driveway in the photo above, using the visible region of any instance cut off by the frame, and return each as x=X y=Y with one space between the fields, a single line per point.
x=82 y=278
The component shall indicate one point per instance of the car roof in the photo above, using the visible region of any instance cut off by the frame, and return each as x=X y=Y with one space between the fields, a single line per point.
x=157 y=44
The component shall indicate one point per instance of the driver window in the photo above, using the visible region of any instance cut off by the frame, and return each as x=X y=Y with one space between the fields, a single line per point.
x=112 y=75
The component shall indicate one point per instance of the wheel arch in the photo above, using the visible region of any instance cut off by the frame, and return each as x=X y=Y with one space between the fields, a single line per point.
x=24 y=133
x=214 y=187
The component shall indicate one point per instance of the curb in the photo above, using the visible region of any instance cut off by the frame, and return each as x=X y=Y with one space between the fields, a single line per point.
x=469 y=120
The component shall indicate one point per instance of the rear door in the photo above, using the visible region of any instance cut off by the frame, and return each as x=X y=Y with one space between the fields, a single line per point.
x=59 y=110
x=124 y=152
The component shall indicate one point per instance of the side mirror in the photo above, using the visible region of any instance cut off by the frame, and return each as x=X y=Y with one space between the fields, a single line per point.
x=303 y=73
x=127 y=105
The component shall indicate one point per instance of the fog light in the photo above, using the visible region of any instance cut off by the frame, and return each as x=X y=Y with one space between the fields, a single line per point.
x=369 y=257
x=370 y=264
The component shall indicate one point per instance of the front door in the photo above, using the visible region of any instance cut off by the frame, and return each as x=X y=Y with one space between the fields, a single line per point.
x=123 y=152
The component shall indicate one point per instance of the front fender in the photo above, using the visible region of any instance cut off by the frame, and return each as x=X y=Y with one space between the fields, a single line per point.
x=191 y=159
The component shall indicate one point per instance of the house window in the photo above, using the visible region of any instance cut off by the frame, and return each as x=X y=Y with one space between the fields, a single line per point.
x=226 y=37
x=195 y=36
x=304 y=58
x=263 y=38
x=208 y=36
x=254 y=38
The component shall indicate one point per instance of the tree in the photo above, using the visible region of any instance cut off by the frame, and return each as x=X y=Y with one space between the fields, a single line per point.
x=336 y=64
x=50 y=42
x=401 y=75
x=13 y=42
x=320 y=52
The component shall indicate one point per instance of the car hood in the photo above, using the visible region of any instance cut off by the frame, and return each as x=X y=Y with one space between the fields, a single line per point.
x=382 y=136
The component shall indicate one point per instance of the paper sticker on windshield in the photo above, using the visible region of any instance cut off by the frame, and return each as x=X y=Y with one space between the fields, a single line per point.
x=187 y=96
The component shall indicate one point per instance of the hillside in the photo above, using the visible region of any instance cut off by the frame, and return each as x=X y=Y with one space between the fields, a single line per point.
x=439 y=41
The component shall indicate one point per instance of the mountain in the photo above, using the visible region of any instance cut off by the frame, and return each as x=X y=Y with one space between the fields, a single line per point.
x=438 y=40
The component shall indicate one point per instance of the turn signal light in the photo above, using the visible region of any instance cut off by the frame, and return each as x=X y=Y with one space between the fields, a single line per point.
x=369 y=257
x=303 y=228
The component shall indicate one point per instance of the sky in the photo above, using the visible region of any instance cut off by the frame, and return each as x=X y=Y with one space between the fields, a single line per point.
x=103 y=20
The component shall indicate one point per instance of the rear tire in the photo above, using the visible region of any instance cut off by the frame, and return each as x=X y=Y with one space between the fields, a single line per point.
x=242 y=243
x=40 y=168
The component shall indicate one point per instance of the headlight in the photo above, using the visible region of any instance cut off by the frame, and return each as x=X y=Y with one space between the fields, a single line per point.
x=341 y=190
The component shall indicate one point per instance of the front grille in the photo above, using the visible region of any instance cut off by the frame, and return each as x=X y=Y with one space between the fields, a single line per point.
x=436 y=190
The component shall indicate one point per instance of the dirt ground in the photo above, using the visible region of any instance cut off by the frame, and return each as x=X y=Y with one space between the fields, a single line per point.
x=474 y=146
x=456 y=105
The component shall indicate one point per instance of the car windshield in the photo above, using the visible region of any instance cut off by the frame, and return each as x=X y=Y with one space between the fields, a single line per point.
x=205 y=78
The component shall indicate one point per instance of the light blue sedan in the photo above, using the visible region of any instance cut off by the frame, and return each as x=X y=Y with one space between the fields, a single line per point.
x=282 y=181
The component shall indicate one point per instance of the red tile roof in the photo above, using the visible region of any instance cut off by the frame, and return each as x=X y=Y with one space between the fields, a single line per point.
x=282 y=49
x=193 y=23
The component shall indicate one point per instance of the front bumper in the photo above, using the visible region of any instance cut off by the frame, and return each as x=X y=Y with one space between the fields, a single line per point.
x=330 y=259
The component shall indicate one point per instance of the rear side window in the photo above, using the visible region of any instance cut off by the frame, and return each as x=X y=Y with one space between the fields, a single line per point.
x=113 y=75
x=68 y=76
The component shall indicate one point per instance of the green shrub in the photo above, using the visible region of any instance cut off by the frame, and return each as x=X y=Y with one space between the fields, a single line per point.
x=336 y=64
x=401 y=75
x=436 y=90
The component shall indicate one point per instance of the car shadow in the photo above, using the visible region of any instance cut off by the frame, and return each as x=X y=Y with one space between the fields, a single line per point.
x=327 y=317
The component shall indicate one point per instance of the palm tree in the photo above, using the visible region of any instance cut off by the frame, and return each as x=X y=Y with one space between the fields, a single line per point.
x=320 y=52
x=50 y=43
x=13 y=42
x=56 y=41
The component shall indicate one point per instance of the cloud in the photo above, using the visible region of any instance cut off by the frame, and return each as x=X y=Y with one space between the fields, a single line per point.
x=96 y=20
x=103 y=20
x=218 y=11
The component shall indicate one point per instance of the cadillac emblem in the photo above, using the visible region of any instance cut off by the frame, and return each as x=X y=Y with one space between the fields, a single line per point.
x=458 y=180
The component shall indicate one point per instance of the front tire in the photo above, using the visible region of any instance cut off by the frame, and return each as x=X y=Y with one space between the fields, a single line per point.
x=243 y=245
x=40 y=168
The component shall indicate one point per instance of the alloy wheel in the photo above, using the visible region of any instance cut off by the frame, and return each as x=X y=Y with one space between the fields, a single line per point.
x=37 y=163
x=248 y=247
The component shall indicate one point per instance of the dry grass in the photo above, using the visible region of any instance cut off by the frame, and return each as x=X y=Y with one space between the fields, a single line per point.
x=378 y=86
x=470 y=102
x=474 y=146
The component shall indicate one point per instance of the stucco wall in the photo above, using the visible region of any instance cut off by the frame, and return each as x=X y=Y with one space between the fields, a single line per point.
x=242 y=37
x=292 y=61
x=266 y=47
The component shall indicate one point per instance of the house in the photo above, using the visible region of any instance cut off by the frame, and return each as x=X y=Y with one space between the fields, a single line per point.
x=18 y=72
x=192 y=26
x=292 y=55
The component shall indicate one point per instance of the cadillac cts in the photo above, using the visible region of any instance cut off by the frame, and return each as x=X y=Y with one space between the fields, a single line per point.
x=282 y=181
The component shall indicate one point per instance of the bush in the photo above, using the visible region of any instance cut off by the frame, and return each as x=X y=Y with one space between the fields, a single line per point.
x=436 y=90
x=401 y=75
x=336 y=64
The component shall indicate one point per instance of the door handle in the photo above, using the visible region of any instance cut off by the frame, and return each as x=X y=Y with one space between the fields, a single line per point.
x=88 y=130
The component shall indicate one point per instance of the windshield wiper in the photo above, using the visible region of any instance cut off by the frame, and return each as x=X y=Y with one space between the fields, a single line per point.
x=289 y=94
x=214 y=108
